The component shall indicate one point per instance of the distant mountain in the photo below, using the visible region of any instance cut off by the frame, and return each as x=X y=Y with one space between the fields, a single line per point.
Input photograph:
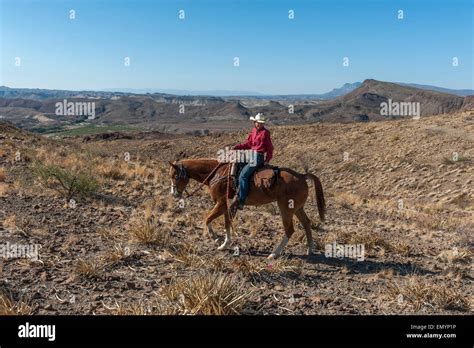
x=42 y=94
x=337 y=92
x=216 y=93
x=460 y=92
x=160 y=111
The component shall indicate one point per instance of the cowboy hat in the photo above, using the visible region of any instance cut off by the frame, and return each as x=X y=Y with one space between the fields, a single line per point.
x=258 y=118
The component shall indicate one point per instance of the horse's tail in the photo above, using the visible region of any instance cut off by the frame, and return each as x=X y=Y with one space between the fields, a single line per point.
x=319 y=195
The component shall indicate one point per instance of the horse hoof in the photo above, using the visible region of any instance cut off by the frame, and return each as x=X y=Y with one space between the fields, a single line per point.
x=222 y=247
x=310 y=252
x=272 y=256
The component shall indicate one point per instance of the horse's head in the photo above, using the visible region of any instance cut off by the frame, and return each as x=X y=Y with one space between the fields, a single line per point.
x=179 y=178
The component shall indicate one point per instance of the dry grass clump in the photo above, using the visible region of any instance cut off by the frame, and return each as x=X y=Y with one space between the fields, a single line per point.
x=115 y=254
x=10 y=223
x=347 y=199
x=419 y=293
x=10 y=306
x=111 y=170
x=208 y=293
x=88 y=268
x=109 y=233
x=456 y=256
x=148 y=229
x=187 y=254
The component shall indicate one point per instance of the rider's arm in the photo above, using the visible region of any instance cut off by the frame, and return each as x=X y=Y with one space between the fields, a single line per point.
x=268 y=147
x=244 y=146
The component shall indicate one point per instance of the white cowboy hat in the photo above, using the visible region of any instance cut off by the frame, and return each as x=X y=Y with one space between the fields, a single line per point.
x=258 y=118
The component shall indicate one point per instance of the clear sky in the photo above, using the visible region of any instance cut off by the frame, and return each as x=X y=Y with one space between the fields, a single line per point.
x=277 y=55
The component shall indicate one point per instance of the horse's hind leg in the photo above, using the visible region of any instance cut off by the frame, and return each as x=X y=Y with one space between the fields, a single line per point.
x=217 y=211
x=306 y=222
x=287 y=217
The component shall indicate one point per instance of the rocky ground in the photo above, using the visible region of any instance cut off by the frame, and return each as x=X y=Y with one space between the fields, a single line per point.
x=403 y=189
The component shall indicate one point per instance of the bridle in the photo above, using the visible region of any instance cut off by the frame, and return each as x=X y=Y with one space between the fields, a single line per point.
x=181 y=173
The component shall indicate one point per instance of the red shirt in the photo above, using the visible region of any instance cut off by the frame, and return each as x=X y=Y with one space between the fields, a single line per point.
x=258 y=140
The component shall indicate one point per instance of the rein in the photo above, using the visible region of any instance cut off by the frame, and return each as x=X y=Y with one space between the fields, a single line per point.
x=201 y=184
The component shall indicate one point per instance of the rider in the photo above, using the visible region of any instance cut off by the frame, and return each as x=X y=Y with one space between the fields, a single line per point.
x=258 y=140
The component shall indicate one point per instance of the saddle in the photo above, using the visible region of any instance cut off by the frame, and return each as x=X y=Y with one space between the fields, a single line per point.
x=264 y=177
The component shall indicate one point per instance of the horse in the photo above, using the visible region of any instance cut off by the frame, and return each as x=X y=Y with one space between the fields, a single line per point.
x=290 y=191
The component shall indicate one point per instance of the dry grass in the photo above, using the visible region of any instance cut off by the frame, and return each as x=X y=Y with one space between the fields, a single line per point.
x=456 y=256
x=451 y=161
x=10 y=222
x=149 y=230
x=88 y=268
x=350 y=166
x=109 y=233
x=117 y=253
x=4 y=189
x=3 y=175
x=187 y=254
x=419 y=293
x=10 y=306
x=370 y=240
x=209 y=293
x=347 y=199
x=111 y=170
x=258 y=270
x=139 y=308
x=146 y=228
x=437 y=222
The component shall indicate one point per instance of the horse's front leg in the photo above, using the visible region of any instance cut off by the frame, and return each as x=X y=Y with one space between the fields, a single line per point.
x=228 y=231
x=217 y=211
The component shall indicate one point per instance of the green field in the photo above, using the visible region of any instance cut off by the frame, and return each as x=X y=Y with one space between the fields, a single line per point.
x=58 y=131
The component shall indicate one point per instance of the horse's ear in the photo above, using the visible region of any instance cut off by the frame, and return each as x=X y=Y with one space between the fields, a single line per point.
x=172 y=164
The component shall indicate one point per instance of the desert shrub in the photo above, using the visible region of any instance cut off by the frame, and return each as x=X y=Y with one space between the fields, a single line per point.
x=68 y=182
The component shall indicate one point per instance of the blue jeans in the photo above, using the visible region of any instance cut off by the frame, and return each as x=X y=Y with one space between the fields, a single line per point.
x=245 y=175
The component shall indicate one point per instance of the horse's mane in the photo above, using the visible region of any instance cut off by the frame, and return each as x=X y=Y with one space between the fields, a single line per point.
x=208 y=159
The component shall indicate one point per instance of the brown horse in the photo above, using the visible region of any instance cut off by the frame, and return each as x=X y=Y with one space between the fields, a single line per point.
x=290 y=191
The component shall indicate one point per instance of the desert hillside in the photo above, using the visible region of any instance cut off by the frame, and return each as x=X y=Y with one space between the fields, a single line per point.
x=119 y=244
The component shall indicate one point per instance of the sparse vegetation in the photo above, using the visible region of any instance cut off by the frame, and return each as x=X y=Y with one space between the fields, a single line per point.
x=132 y=250
x=420 y=293
x=69 y=183
x=209 y=293
x=88 y=268
x=149 y=230
x=11 y=306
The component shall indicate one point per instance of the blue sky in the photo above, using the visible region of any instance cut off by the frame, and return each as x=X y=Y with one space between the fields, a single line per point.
x=277 y=55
